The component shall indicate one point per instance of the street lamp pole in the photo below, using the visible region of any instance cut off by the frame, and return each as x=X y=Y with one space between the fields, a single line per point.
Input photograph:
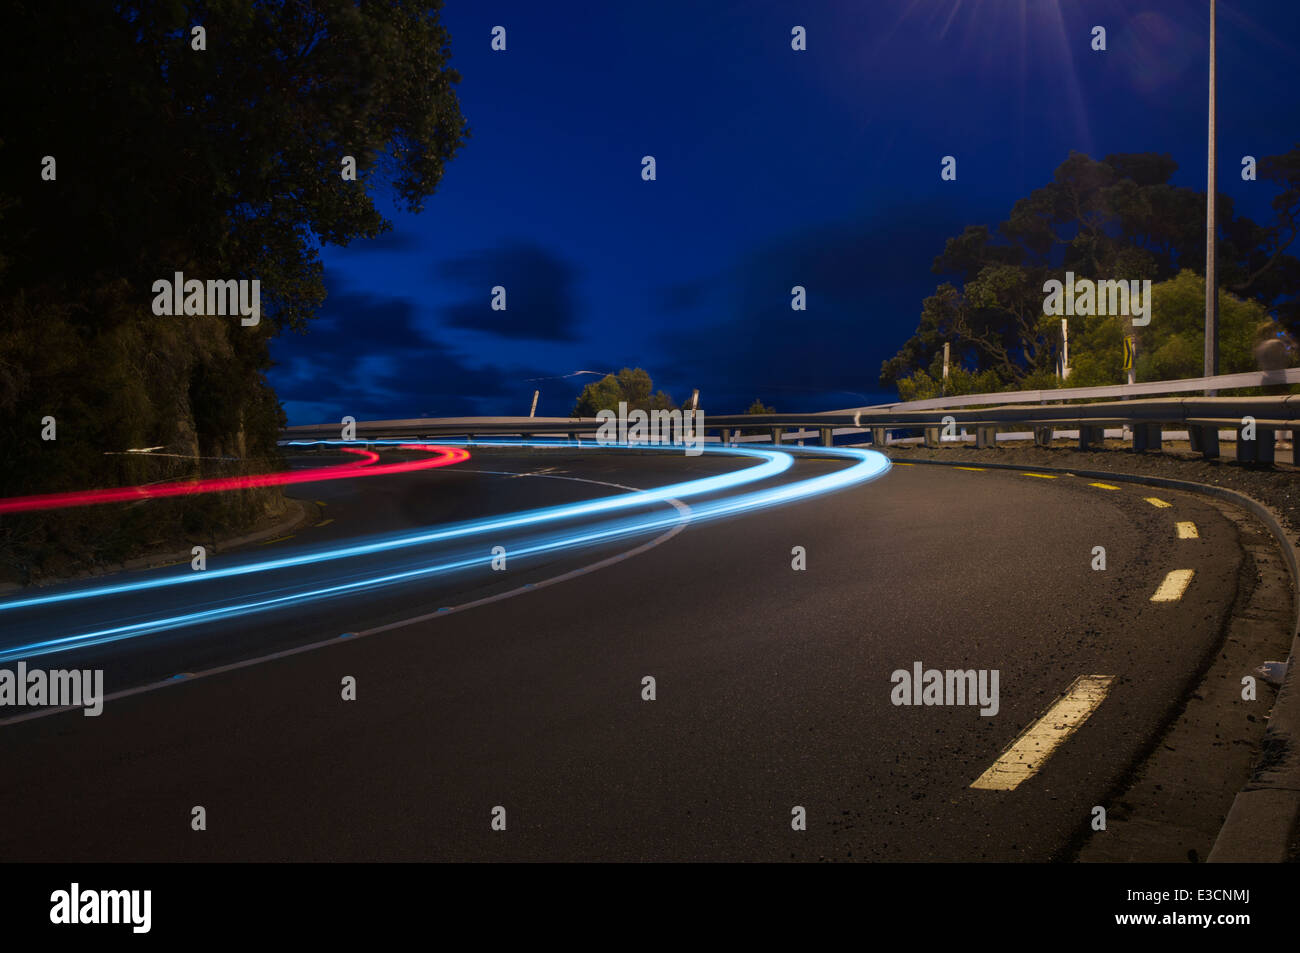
x=1211 y=285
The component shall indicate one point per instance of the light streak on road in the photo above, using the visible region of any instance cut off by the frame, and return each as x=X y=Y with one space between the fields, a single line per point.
x=774 y=463
x=868 y=465
x=443 y=456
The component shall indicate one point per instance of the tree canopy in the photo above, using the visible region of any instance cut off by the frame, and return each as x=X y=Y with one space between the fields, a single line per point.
x=1118 y=218
x=630 y=385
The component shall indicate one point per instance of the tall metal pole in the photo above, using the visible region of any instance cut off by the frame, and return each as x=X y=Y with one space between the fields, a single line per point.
x=1211 y=285
x=1065 y=349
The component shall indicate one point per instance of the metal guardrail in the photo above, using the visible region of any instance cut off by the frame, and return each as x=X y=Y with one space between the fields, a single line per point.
x=993 y=409
x=1123 y=391
x=448 y=427
x=1221 y=411
x=1202 y=417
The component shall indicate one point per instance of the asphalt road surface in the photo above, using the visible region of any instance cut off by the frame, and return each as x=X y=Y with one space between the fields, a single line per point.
x=772 y=685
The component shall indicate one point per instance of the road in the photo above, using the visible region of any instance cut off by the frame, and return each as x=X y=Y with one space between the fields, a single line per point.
x=773 y=685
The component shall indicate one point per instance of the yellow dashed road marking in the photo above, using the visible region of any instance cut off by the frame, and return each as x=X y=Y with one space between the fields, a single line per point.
x=1187 y=530
x=326 y=522
x=1103 y=486
x=976 y=469
x=900 y=463
x=1035 y=745
x=278 y=539
x=1175 y=584
x=1041 y=476
x=1156 y=501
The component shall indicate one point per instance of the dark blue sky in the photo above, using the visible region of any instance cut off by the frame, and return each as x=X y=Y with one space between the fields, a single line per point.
x=775 y=168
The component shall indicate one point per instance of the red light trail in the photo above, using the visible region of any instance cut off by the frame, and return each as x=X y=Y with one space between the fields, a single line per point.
x=444 y=456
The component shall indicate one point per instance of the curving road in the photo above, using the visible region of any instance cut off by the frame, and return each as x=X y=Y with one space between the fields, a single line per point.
x=773 y=685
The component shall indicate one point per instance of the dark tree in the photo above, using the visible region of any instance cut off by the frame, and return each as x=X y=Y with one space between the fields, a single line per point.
x=221 y=163
x=1116 y=218
x=632 y=386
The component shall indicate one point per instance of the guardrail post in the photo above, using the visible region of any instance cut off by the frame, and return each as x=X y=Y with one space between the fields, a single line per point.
x=1246 y=448
x=777 y=434
x=1043 y=436
x=1146 y=437
x=879 y=437
x=986 y=438
x=1089 y=434
x=1259 y=450
x=1205 y=440
x=828 y=437
x=724 y=435
x=932 y=437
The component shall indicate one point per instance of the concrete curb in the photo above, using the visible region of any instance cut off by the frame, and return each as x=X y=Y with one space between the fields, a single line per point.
x=1266 y=812
x=298 y=513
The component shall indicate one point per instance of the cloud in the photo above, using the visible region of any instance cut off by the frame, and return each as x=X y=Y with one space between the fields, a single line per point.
x=860 y=279
x=369 y=356
x=539 y=293
x=684 y=295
